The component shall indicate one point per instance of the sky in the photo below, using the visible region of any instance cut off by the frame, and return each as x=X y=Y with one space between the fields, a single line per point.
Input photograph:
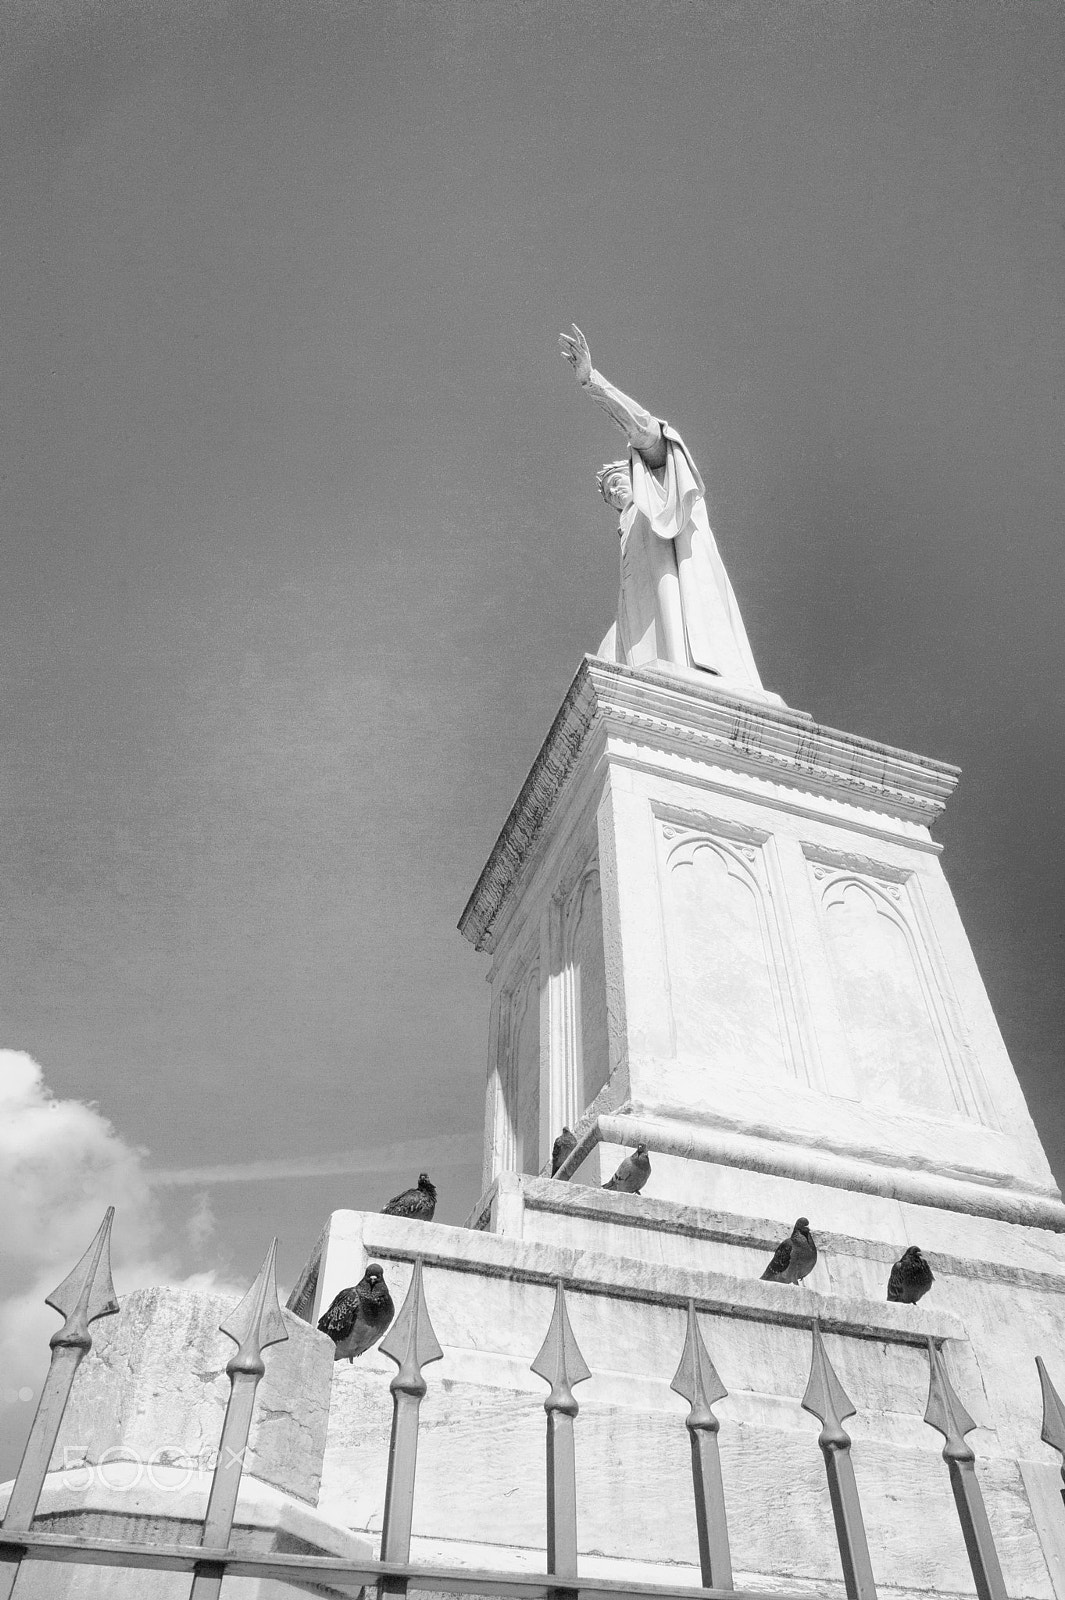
x=300 y=545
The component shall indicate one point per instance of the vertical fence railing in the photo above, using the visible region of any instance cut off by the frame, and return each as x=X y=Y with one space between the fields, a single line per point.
x=828 y=1401
x=1053 y=1431
x=253 y=1325
x=948 y=1416
x=561 y=1365
x=697 y=1380
x=412 y=1344
x=84 y=1295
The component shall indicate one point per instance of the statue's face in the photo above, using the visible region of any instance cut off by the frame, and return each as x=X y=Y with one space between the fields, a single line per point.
x=617 y=490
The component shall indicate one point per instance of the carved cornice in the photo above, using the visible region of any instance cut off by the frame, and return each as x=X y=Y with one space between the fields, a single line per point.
x=682 y=717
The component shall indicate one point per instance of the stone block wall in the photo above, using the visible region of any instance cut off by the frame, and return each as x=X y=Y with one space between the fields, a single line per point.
x=629 y=1265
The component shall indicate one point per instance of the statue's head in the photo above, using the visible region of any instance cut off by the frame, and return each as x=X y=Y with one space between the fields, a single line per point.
x=614 y=482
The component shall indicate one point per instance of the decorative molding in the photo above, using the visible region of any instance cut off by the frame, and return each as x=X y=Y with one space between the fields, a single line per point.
x=823 y=860
x=710 y=723
x=864 y=1173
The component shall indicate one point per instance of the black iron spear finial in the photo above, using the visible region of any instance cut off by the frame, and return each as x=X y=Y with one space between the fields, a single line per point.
x=84 y=1295
x=254 y=1324
x=411 y=1343
x=698 y=1381
x=561 y=1365
x=1053 y=1432
x=828 y=1401
x=948 y=1416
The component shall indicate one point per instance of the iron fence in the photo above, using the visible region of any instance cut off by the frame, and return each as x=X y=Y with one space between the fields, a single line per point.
x=257 y=1323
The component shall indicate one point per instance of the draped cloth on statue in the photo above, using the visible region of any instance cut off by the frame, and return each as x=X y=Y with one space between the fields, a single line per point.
x=676 y=602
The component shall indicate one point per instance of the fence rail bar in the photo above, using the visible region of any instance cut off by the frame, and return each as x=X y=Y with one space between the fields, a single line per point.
x=84 y=1295
x=828 y=1401
x=412 y=1344
x=697 y=1380
x=560 y=1363
x=253 y=1325
x=949 y=1417
x=317 y=1569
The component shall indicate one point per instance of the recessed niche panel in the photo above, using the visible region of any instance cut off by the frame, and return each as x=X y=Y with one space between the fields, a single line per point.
x=886 y=990
x=724 y=966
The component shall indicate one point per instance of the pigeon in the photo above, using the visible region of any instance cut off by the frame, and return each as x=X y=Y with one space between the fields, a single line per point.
x=633 y=1172
x=562 y=1147
x=793 y=1258
x=911 y=1277
x=419 y=1202
x=358 y=1317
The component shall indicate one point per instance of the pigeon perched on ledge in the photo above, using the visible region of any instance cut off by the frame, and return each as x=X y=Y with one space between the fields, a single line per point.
x=419 y=1203
x=633 y=1172
x=795 y=1257
x=358 y=1317
x=563 y=1146
x=911 y=1277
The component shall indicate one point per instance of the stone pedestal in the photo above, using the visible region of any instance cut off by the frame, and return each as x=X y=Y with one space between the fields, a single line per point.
x=722 y=931
x=709 y=914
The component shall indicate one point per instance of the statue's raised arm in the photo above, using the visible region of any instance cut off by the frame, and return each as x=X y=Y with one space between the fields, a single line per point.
x=676 y=607
x=643 y=431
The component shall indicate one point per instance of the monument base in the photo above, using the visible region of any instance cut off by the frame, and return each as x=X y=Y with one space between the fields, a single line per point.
x=630 y=1264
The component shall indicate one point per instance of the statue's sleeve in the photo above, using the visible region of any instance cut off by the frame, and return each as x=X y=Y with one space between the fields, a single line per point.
x=668 y=505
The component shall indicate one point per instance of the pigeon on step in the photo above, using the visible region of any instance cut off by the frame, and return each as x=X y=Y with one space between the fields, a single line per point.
x=563 y=1145
x=359 y=1316
x=794 y=1258
x=419 y=1202
x=633 y=1172
x=911 y=1277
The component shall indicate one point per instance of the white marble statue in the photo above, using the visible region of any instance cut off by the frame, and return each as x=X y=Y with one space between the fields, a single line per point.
x=676 y=603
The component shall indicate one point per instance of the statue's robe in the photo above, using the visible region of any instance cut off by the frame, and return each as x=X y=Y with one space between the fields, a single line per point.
x=676 y=602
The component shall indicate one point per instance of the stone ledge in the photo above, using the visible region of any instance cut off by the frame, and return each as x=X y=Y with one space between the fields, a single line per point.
x=588 y=1272
x=725 y=1227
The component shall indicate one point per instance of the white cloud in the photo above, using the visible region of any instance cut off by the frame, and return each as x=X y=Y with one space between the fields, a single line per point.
x=200 y=1227
x=61 y=1165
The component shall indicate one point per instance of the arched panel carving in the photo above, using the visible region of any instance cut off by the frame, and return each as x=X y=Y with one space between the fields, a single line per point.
x=893 y=1013
x=726 y=965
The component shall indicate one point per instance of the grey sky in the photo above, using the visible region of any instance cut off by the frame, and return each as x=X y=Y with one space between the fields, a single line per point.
x=300 y=538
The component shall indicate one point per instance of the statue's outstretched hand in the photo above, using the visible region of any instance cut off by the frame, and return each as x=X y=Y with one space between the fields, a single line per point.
x=575 y=349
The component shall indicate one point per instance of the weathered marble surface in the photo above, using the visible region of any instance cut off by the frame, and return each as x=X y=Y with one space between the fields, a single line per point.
x=154 y=1387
